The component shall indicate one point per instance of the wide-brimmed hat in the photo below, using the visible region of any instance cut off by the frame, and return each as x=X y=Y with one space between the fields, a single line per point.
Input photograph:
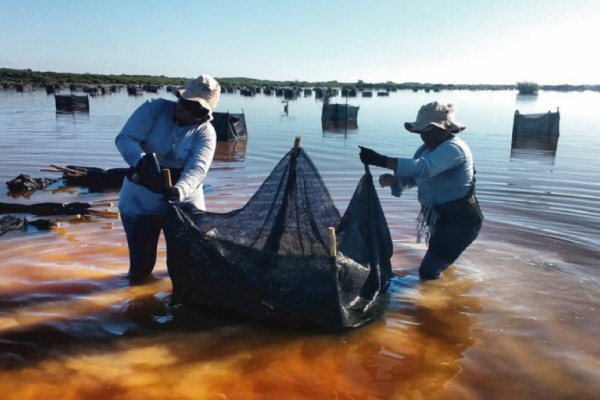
x=204 y=89
x=435 y=114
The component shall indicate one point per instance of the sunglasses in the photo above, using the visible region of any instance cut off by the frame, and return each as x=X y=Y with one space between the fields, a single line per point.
x=194 y=108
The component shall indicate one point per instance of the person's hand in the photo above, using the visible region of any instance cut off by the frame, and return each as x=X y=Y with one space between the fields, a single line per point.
x=147 y=166
x=371 y=157
x=387 y=180
x=172 y=194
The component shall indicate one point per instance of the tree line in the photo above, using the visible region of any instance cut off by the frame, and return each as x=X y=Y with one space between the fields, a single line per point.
x=42 y=78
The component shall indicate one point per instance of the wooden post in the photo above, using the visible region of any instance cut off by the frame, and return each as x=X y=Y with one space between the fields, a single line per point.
x=167 y=177
x=103 y=213
x=296 y=147
x=332 y=242
x=367 y=170
x=68 y=170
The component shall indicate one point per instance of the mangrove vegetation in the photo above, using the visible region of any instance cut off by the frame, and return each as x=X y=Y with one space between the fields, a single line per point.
x=10 y=77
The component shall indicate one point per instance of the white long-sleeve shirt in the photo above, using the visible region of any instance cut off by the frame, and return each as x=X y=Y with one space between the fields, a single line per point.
x=152 y=129
x=443 y=174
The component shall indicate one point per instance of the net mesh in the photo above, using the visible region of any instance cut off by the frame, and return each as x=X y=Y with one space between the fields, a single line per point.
x=536 y=124
x=271 y=259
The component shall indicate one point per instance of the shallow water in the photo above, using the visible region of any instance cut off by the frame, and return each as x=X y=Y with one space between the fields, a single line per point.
x=516 y=317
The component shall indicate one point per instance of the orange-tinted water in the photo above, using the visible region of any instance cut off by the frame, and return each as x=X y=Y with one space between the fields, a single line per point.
x=73 y=329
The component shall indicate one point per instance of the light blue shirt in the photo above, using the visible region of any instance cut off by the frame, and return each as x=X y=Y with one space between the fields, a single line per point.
x=153 y=129
x=443 y=174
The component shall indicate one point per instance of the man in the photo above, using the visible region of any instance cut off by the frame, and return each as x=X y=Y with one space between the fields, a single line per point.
x=164 y=134
x=442 y=169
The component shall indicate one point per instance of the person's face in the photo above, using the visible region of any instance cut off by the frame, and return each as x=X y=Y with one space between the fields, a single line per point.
x=189 y=112
x=433 y=137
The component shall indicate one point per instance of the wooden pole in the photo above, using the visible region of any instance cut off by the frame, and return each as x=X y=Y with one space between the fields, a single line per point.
x=332 y=242
x=104 y=201
x=103 y=213
x=296 y=147
x=68 y=170
x=102 y=204
x=167 y=177
x=367 y=170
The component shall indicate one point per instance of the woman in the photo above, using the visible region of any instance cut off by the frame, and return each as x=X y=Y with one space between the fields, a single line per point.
x=179 y=136
x=442 y=169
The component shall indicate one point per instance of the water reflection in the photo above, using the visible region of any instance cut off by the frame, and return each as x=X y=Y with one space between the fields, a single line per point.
x=75 y=327
x=285 y=115
x=542 y=149
x=67 y=123
x=527 y=98
x=339 y=126
x=535 y=135
x=39 y=319
x=231 y=151
x=436 y=328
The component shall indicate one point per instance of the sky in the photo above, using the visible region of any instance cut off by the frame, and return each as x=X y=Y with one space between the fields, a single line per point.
x=549 y=42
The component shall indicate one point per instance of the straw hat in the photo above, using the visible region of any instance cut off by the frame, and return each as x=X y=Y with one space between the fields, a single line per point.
x=435 y=114
x=204 y=89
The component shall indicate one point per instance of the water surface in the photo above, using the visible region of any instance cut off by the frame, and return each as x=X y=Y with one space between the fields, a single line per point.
x=516 y=317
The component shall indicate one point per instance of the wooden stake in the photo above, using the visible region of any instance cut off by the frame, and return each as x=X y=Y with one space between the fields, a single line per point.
x=104 y=201
x=102 y=204
x=167 y=177
x=69 y=170
x=296 y=147
x=103 y=213
x=332 y=242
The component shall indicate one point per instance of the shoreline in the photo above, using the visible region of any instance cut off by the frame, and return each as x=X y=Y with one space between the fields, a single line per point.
x=11 y=77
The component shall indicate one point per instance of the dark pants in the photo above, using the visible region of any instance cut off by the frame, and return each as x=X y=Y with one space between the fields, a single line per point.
x=142 y=233
x=446 y=244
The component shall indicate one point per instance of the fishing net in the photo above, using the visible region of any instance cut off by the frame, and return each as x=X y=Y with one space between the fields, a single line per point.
x=229 y=126
x=25 y=183
x=536 y=124
x=272 y=259
x=11 y=222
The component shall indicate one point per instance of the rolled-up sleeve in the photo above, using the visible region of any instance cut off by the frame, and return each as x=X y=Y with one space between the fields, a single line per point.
x=135 y=131
x=401 y=184
x=198 y=164
x=443 y=158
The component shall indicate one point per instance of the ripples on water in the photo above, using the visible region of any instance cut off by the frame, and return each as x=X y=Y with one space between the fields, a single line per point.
x=517 y=317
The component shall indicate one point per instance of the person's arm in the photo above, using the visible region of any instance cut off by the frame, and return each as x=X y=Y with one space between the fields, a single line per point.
x=370 y=157
x=443 y=158
x=197 y=165
x=396 y=183
x=134 y=132
x=392 y=163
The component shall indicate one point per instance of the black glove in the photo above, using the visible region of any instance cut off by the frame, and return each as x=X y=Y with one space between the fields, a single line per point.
x=171 y=194
x=370 y=157
x=148 y=166
x=147 y=173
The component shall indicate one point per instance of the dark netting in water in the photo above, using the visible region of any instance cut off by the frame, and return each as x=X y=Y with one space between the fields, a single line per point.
x=535 y=125
x=271 y=259
x=96 y=179
x=229 y=126
x=25 y=183
x=11 y=223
